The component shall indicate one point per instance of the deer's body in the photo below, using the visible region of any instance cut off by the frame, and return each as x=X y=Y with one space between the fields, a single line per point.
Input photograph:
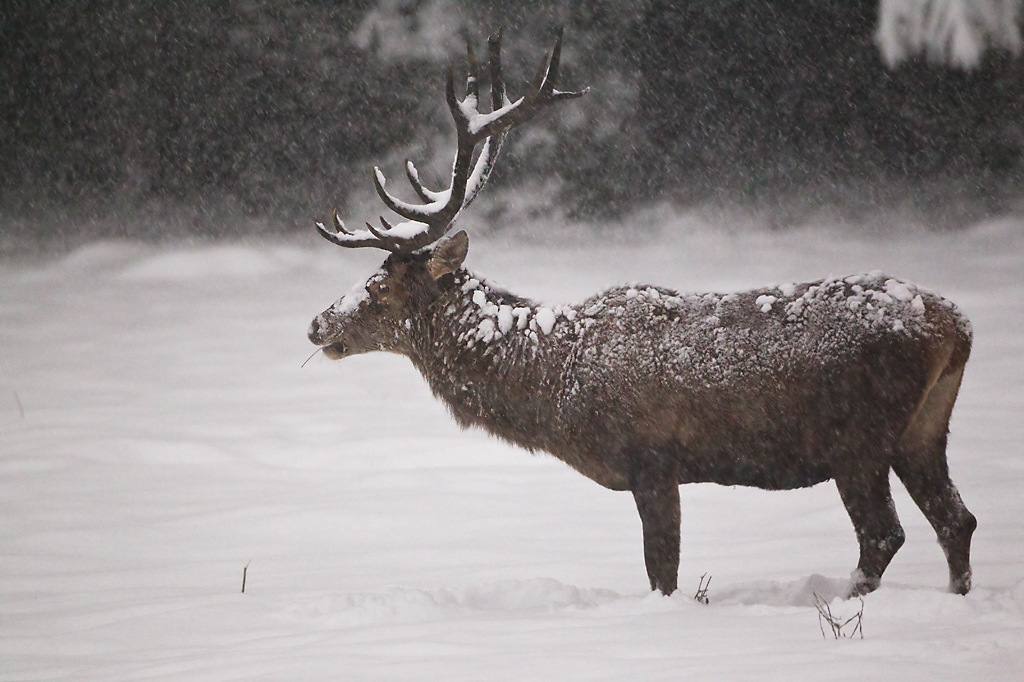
x=642 y=388
x=721 y=384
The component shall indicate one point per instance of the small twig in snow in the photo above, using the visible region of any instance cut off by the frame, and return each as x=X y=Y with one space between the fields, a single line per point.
x=244 y=571
x=825 y=616
x=702 y=590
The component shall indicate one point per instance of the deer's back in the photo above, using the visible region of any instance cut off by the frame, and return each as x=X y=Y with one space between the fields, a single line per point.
x=758 y=388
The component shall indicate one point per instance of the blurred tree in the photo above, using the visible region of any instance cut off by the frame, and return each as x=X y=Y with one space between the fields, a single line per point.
x=754 y=97
x=953 y=32
x=134 y=101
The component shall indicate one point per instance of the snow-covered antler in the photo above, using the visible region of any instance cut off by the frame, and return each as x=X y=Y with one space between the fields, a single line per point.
x=428 y=222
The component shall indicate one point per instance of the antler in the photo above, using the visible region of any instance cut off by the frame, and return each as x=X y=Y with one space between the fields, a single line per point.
x=428 y=222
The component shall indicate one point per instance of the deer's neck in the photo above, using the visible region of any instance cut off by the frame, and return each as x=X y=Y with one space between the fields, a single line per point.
x=496 y=359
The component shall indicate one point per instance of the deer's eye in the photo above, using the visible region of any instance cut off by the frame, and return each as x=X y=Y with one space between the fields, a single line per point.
x=382 y=289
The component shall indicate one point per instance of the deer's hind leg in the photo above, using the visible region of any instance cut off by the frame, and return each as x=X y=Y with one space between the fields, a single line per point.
x=864 y=489
x=920 y=462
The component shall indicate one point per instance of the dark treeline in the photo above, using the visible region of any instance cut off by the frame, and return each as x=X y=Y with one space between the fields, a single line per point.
x=277 y=109
x=772 y=97
x=117 y=105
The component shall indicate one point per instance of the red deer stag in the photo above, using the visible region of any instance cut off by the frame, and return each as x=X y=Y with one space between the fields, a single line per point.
x=642 y=388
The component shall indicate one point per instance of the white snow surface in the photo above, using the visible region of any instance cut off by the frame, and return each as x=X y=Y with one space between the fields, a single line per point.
x=157 y=435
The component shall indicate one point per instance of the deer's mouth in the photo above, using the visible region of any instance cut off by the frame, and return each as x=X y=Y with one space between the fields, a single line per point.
x=336 y=351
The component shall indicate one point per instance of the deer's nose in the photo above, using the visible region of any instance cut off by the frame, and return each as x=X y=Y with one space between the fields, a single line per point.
x=314 y=331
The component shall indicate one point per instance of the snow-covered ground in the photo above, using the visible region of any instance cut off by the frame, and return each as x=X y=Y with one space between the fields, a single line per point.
x=158 y=435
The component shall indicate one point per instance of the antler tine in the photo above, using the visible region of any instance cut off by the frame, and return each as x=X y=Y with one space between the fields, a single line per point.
x=443 y=207
x=544 y=94
x=472 y=79
x=541 y=73
x=439 y=214
x=431 y=220
x=379 y=235
x=422 y=192
x=492 y=145
x=339 y=224
x=552 y=71
x=420 y=213
x=552 y=75
x=362 y=238
x=498 y=97
x=452 y=100
x=353 y=240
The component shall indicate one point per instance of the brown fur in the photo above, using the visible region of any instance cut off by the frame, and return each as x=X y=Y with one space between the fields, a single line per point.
x=643 y=389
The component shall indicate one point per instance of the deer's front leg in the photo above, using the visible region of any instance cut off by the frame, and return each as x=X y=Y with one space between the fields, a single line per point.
x=656 y=491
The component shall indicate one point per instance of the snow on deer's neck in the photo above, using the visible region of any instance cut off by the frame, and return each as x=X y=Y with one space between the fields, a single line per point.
x=488 y=319
x=494 y=358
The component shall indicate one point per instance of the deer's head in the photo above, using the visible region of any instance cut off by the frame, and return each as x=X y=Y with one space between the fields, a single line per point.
x=378 y=314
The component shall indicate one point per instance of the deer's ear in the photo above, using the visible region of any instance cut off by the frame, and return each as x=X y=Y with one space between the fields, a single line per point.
x=448 y=255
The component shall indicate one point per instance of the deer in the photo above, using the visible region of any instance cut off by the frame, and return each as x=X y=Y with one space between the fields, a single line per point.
x=643 y=388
